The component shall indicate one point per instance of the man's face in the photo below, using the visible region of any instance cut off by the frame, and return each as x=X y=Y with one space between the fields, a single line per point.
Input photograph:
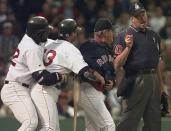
x=108 y=36
x=141 y=20
x=73 y=37
x=44 y=36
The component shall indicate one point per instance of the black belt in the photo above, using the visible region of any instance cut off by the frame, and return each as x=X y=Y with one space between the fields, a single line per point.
x=143 y=71
x=147 y=71
x=23 y=84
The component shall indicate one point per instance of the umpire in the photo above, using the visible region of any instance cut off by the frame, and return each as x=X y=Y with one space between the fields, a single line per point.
x=140 y=86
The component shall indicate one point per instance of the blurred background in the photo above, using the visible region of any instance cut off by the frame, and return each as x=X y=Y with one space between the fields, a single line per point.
x=14 y=15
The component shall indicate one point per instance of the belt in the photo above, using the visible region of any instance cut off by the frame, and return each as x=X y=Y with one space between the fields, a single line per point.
x=23 y=84
x=142 y=71
x=147 y=71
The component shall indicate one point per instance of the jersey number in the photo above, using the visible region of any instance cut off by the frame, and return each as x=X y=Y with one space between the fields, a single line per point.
x=49 y=57
x=16 y=54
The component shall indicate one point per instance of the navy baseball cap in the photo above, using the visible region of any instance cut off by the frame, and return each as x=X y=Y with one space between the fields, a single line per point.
x=102 y=24
x=136 y=8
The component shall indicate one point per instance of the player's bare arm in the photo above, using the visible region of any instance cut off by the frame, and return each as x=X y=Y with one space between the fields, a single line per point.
x=121 y=58
x=159 y=75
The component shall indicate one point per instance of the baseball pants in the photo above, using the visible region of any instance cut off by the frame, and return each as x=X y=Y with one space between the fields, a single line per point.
x=45 y=99
x=144 y=102
x=18 y=99
x=98 y=117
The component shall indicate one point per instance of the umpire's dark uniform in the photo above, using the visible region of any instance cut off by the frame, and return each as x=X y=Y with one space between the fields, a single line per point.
x=140 y=87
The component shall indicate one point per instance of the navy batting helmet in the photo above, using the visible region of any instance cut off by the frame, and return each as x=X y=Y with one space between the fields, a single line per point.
x=38 y=29
x=66 y=27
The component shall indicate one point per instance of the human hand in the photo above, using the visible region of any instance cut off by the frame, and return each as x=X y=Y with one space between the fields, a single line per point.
x=129 y=40
x=109 y=84
x=99 y=78
x=164 y=104
x=64 y=78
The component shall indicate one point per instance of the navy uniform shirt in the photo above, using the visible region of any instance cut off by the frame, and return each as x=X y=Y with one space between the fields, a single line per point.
x=145 y=52
x=99 y=57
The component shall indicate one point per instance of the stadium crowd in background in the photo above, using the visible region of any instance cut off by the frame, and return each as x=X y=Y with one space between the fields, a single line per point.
x=14 y=15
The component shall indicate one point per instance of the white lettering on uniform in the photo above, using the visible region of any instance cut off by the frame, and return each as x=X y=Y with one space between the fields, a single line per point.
x=104 y=59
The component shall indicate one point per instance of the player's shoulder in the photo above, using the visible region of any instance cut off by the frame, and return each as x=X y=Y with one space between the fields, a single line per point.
x=61 y=45
x=57 y=42
x=51 y=45
x=27 y=44
x=153 y=33
x=27 y=41
x=49 y=42
x=150 y=30
x=65 y=44
x=89 y=44
x=68 y=48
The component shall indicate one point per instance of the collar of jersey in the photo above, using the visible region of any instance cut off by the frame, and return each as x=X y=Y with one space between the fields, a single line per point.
x=137 y=29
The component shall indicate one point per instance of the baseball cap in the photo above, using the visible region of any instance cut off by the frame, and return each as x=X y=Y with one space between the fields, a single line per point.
x=102 y=24
x=136 y=8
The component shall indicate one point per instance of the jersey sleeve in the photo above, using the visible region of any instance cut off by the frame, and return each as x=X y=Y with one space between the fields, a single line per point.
x=91 y=56
x=34 y=60
x=97 y=59
x=74 y=60
x=119 y=45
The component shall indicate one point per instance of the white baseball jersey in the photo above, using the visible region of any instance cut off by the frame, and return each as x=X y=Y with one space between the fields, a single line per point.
x=62 y=56
x=27 y=59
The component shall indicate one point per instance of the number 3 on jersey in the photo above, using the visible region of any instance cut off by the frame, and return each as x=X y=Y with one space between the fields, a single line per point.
x=50 y=55
x=16 y=54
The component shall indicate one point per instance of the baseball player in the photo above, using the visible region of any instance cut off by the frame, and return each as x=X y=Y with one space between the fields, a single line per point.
x=64 y=57
x=27 y=68
x=98 y=54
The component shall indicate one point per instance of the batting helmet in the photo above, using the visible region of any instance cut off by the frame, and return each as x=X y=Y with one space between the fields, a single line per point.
x=38 y=29
x=66 y=27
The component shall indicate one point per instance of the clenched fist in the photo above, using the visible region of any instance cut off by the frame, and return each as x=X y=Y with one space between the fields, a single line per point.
x=109 y=85
x=99 y=78
x=129 y=40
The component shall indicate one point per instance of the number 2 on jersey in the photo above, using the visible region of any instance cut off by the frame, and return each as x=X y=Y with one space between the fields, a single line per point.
x=49 y=57
x=16 y=54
